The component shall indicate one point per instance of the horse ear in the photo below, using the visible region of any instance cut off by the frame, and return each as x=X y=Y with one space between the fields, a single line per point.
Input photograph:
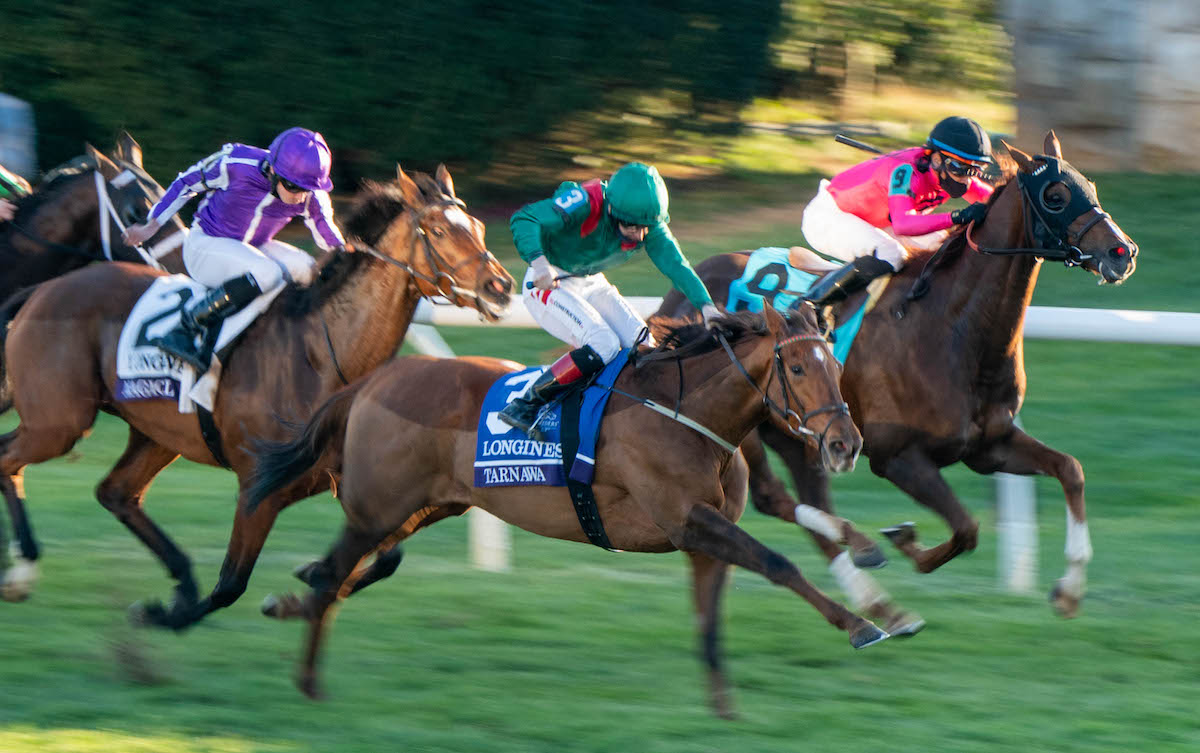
x=775 y=322
x=128 y=149
x=412 y=194
x=1052 y=148
x=445 y=181
x=107 y=167
x=1023 y=160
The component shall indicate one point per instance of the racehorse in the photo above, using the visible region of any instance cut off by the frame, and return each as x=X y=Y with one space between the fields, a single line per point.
x=405 y=437
x=417 y=241
x=77 y=215
x=938 y=378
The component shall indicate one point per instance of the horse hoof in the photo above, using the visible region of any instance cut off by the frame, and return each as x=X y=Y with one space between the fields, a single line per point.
x=309 y=687
x=281 y=607
x=905 y=625
x=18 y=581
x=900 y=535
x=867 y=635
x=147 y=614
x=304 y=573
x=870 y=558
x=1064 y=603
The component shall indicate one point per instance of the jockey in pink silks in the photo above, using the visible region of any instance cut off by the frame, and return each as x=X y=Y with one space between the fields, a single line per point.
x=871 y=214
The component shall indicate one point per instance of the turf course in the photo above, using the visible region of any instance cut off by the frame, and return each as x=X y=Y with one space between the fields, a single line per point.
x=581 y=650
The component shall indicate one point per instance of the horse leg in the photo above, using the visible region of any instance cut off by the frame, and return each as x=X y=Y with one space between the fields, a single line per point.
x=920 y=478
x=815 y=511
x=1021 y=454
x=122 y=493
x=706 y=530
x=34 y=441
x=865 y=593
x=20 y=574
x=333 y=579
x=390 y=553
x=708 y=584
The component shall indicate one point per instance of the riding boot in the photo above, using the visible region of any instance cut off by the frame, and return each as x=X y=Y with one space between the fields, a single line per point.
x=186 y=341
x=841 y=283
x=523 y=412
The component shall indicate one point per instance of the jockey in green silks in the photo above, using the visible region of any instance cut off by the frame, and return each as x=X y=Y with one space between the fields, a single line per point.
x=568 y=241
x=12 y=187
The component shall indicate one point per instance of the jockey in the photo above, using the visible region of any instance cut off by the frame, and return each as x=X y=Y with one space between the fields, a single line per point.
x=872 y=213
x=568 y=240
x=249 y=195
x=12 y=187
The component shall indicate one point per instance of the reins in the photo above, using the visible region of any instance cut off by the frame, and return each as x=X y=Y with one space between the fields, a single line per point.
x=785 y=412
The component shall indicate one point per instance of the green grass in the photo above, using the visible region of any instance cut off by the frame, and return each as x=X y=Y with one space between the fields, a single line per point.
x=582 y=650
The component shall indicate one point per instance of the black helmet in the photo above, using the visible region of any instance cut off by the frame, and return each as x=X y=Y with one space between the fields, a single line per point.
x=962 y=138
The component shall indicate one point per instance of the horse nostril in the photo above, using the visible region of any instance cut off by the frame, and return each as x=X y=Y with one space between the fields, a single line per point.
x=1118 y=251
x=838 y=447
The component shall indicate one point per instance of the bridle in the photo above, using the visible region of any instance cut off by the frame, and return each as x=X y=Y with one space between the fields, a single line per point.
x=802 y=417
x=443 y=271
x=105 y=206
x=1050 y=236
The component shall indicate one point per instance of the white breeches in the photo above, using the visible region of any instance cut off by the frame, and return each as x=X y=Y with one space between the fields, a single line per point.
x=845 y=236
x=211 y=261
x=584 y=311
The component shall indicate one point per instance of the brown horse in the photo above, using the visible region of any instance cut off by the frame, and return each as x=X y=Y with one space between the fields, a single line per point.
x=938 y=379
x=309 y=343
x=405 y=440
x=64 y=224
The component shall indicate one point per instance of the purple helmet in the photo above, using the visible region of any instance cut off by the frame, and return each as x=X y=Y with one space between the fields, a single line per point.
x=301 y=156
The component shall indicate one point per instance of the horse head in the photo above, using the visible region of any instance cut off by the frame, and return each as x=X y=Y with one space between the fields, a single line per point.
x=129 y=194
x=1064 y=213
x=807 y=388
x=444 y=246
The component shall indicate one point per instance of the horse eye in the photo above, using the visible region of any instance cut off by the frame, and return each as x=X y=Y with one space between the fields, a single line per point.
x=439 y=233
x=797 y=369
x=1054 y=200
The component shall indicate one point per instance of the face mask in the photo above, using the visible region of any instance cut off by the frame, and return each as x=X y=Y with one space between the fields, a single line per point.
x=953 y=187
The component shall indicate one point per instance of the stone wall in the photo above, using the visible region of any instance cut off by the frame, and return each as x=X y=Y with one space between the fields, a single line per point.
x=1118 y=80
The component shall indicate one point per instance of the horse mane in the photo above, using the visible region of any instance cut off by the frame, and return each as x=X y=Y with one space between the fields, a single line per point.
x=952 y=248
x=691 y=336
x=374 y=210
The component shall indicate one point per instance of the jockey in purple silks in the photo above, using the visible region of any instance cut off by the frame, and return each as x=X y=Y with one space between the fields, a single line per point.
x=250 y=194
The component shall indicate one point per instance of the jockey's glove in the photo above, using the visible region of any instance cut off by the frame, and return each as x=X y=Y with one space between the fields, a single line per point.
x=970 y=213
x=543 y=274
x=712 y=315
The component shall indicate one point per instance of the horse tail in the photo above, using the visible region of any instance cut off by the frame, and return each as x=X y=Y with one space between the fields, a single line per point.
x=8 y=310
x=278 y=464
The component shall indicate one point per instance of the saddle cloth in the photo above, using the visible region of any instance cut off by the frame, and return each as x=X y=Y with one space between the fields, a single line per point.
x=506 y=457
x=771 y=275
x=146 y=373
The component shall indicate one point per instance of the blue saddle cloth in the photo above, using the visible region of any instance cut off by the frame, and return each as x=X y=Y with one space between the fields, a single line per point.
x=769 y=277
x=506 y=457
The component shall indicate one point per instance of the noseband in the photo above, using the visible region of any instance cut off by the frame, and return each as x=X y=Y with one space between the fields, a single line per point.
x=442 y=270
x=785 y=411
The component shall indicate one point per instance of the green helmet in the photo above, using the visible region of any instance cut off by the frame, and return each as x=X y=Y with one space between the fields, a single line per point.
x=637 y=195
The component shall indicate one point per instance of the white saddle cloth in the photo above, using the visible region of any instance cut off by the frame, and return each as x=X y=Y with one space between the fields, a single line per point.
x=146 y=373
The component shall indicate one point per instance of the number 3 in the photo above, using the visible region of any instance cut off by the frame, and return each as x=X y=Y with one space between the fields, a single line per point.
x=568 y=200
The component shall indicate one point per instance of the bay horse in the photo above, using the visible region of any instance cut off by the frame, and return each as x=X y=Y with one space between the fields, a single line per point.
x=936 y=380
x=72 y=219
x=404 y=439
x=417 y=241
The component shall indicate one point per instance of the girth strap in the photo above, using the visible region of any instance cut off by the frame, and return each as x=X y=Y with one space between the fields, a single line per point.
x=582 y=496
x=212 y=435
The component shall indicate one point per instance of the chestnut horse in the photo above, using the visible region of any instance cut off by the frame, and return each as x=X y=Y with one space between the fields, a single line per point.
x=306 y=345
x=935 y=380
x=67 y=221
x=405 y=439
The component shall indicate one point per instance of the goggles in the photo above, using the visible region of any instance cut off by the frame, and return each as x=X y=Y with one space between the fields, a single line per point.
x=290 y=186
x=960 y=168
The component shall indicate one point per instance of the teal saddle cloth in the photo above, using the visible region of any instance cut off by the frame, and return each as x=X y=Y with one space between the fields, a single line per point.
x=769 y=278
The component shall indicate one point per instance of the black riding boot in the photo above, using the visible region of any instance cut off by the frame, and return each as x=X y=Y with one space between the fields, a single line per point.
x=186 y=341
x=522 y=413
x=841 y=283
